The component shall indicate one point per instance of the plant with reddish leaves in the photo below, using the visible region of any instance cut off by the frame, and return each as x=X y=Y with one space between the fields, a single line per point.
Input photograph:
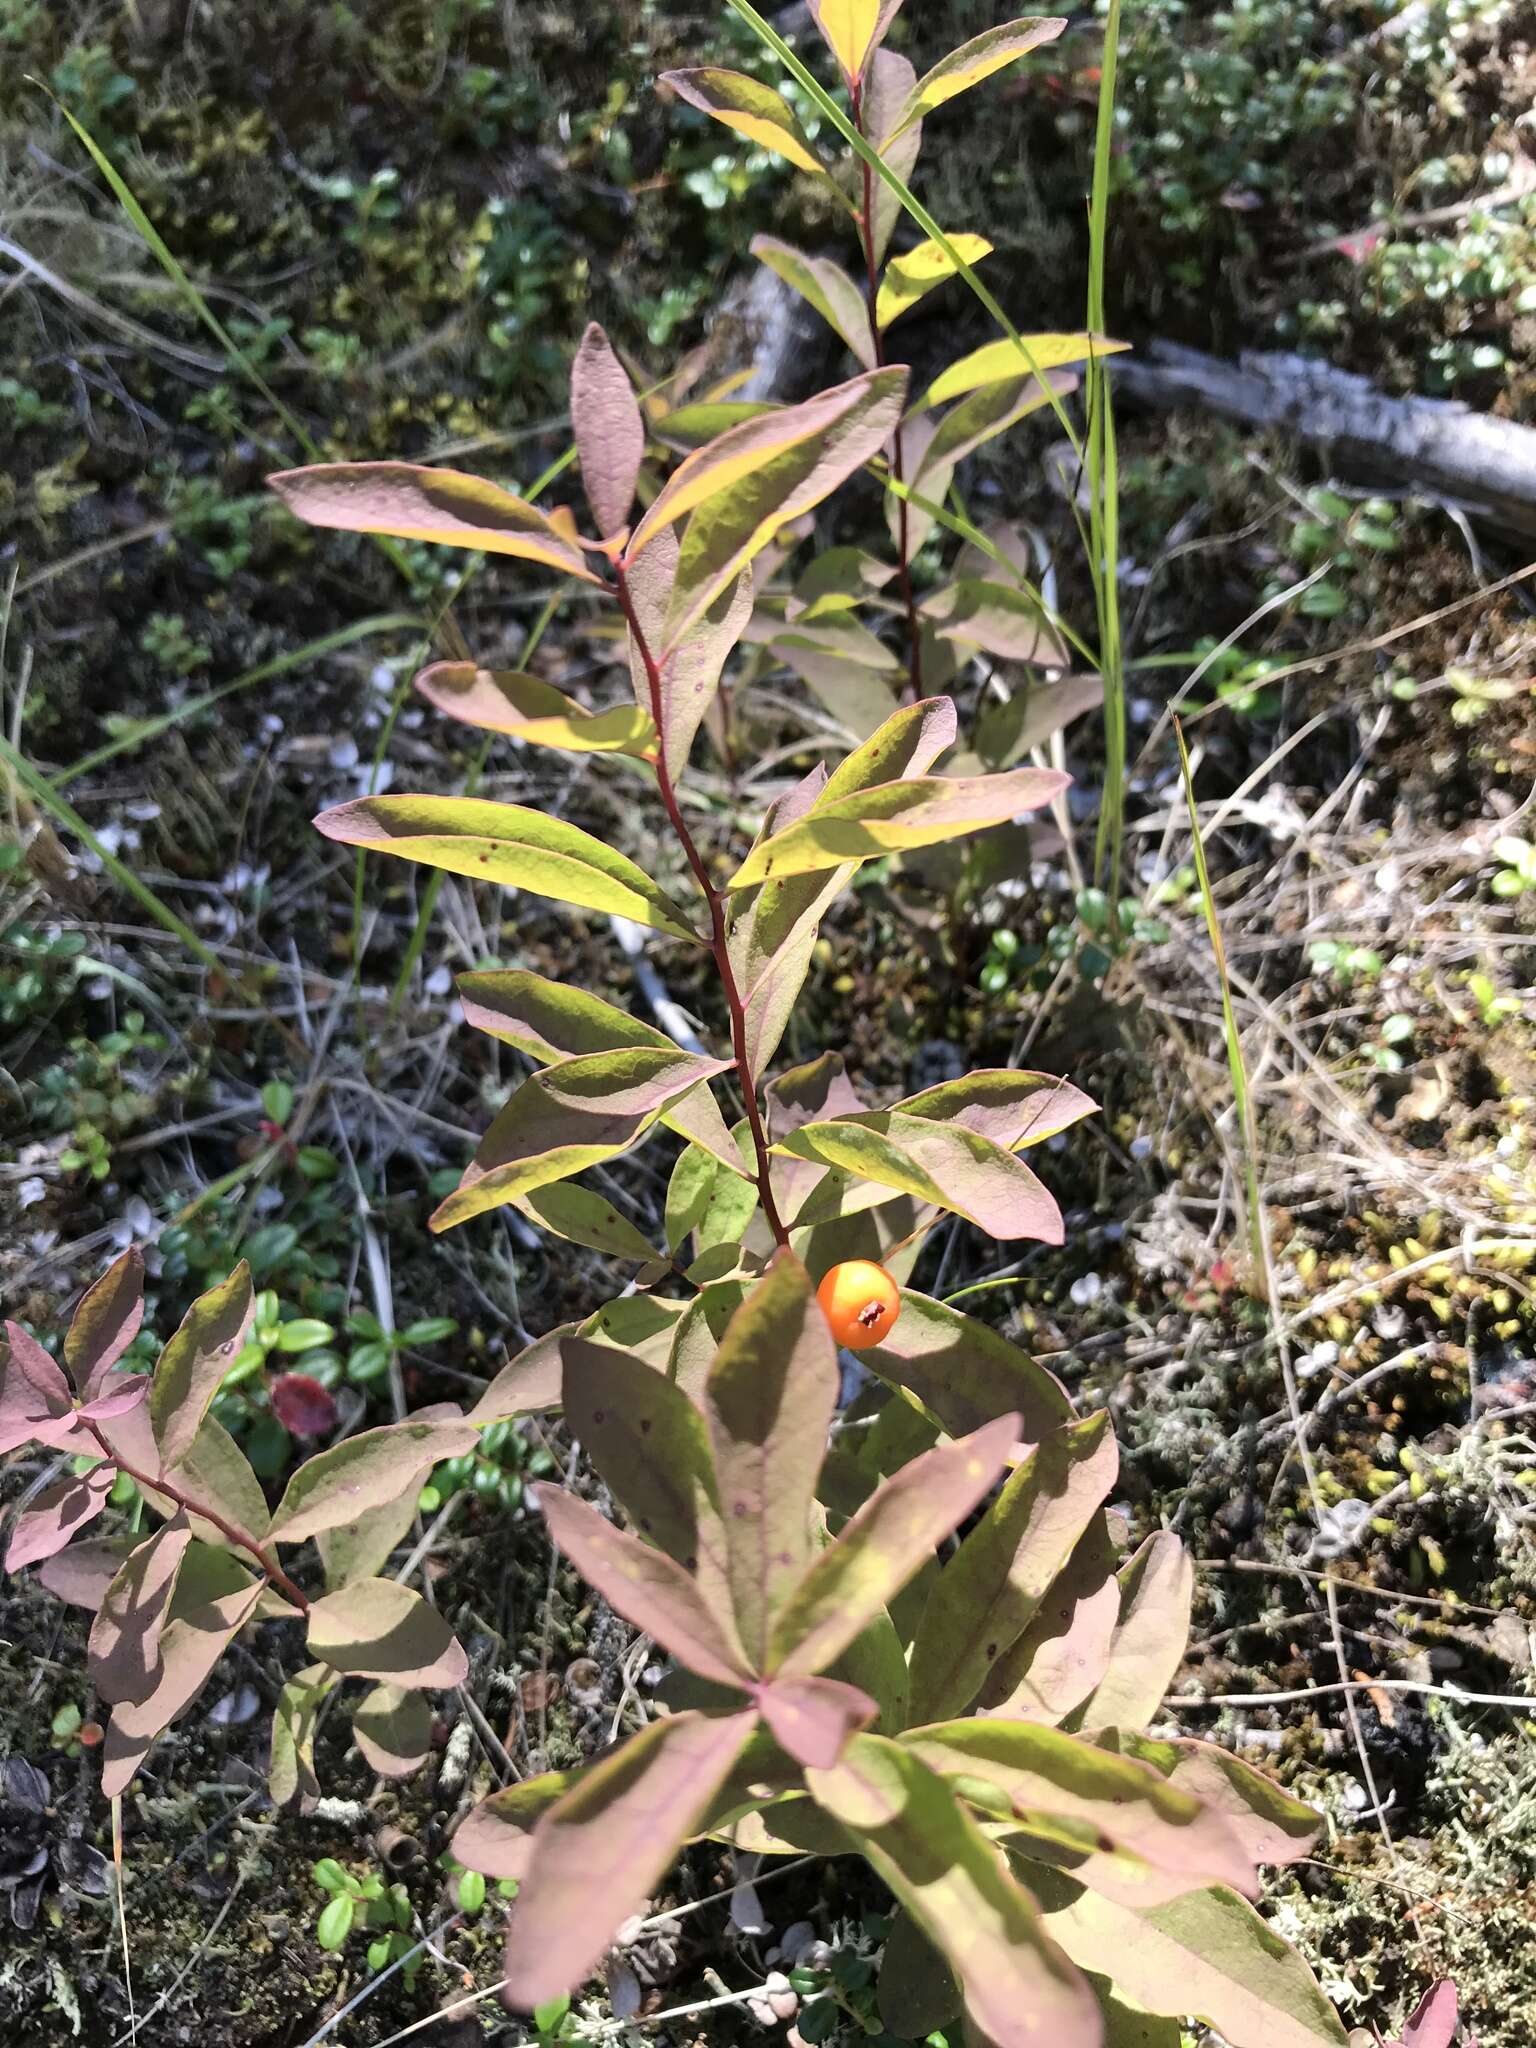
x=1435 y=2020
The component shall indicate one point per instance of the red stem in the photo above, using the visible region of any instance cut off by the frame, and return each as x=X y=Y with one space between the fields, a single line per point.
x=713 y=897
x=242 y=1539
x=877 y=341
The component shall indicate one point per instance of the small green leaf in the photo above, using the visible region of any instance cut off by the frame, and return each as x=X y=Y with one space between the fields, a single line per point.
x=304 y=1333
x=335 y=1923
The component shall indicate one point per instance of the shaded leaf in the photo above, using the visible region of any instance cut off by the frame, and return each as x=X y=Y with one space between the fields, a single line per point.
x=35 y=1403
x=1156 y=1591
x=911 y=276
x=813 y=1718
x=125 y=1636
x=393 y=1729
x=375 y=1628
x=291 y=1768
x=647 y=1587
x=991 y=51
x=1434 y=2020
x=999 y=618
x=599 y=1851
x=996 y=361
x=440 y=505
x=573 y=1115
x=690 y=426
x=888 y=1540
x=195 y=1362
x=943 y=1163
x=363 y=1472
x=689 y=663
x=526 y=1383
x=1064 y=1651
x=497 y=1837
x=888 y=85
x=987 y=1594
x=56 y=1516
x=1206 y=1954
x=510 y=845
x=106 y=1323
x=1010 y=1106
x=503 y=700
x=826 y=287
x=1125 y=2026
x=894 y=817
x=916 y=1992
x=360 y=1549
x=81 y=1575
x=1018 y=1987
x=769 y=1401
x=750 y=107
x=610 y=434
x=965 y=1372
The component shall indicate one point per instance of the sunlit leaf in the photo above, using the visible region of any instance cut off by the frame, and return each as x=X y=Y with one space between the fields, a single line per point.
x=813 y=1718
x=1010 y=1105
x=1019 y=1989
x=853 y=29
x=1147 y=1648
x=991 y=51
x=689 y=663
x=582 y=1216
x=826 y=288
x=690 y=426
x=501 y=700
x=751 y=108
x=1064 y=1651
x=987 y=412
x=912 y=275
x=35 y=1404
x=965 y=1372
x=377 y=1628
x=105 y=1323
x=363 y=1472
x=942 y=1163
x=508 y=844
x=610 y=434
x=442 y=505
x=1271 y=1825
x=888 y=84
x=497 y=1837
x=996 y=361
x=599 y=1851
x=125 y=1636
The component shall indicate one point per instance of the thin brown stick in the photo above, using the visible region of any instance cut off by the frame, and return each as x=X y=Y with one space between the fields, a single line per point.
x=719 y=944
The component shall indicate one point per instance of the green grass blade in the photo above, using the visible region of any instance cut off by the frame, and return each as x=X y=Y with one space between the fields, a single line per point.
x=1104 y=493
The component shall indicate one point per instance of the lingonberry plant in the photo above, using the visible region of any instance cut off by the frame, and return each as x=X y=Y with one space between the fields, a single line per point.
x=902 y=1628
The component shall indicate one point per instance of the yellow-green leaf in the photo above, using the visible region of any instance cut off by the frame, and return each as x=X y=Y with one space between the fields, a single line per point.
x=997 y=360
x=508 y=844
x=826 y=288
x=993 y=50
x=852 y=29
x=501 y=700
x=942 y=1163
x=751 y=108
x=912 y=276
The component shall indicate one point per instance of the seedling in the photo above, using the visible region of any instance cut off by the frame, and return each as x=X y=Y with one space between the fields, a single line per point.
x=1517 y=866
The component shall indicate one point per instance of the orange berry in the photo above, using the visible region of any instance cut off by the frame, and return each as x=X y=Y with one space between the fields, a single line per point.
x=861 y=1302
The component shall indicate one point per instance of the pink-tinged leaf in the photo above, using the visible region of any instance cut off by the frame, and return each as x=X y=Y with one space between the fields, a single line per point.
x=647 y=1587
x=527 y=1383
x=510 y=845
x=979 y=418
x=887 y=87
x=649 y=1442
x=965 y=1372
x=81 y=1575
x=853 y=29
x=1010 y=1106
x=1271 y=1825
x=501 y=700
x=125 y=1636
x=302 y=1405
x=393 y=1729
x=751 y=108
x=690 y=665
x=599 y=1852
x=991 y=51
x=366 y=1471
x=1206 y=1955
x=769 y=1400
x=34 y=1395
x=805 y=1095
x=377 y=1628
x=194 y=1363
x=1064 y=1651
x=215 y=1469
x=213 y=1599
x=888 y=1541
x=497 y=1837
x=998 y=618
x=1019 y=1989
x=443 y=506
x=826 y=287
x=943 y=1163
x=106 y=1322
x=895 y=817
x=360 y=1549
x=119 y=1394
x=1434 y=2019
x=813 y=1718
x=291 y=1769
x=741 y=488
x=1156 y=1590
x=610 y=434
x=988 y=1593
x=573 y=1115
x=56 y=1516
x=1119 y=1801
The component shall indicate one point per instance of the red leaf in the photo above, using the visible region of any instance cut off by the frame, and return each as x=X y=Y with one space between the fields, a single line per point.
x=1434 y=2020
x=302 y=1405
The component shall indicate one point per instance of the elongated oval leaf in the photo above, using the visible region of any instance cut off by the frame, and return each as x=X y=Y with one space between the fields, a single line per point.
x=56 y=1516
x=34 y=1395
x=991 y=51
x=996 y=361
x=999 y=618
x=887 y=87
x=599 y=1851
x=647 y=1587
x=987 y=1594
x=751 y=108
x=895 y=817
x=415 y=503
x=690 y=663
x=980 y=418
x=582 y=1216
x=1147 y=1648
x=965 y=1372
x=1019 y=1989
x=508 y=844
x=497 y=1837
x=887 y=1542
x=943 y=1163
x=1012 y=1107
x=912 y=276
x=526 y=1383
x=363 y=1472
x=1064 y=1651
x=769 y=1399
x=393 y=1729
x=125 y=1636
x=81 y=1575
x=291 y=1766
x=196 y=1360
x=826 y=288
x=853 y=30
x=1271 y=1825
x=573 y=1115
x=812 y=1719
x=105 y=1323
x=376 y=1628
x=502 y=700
x=610 y=434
